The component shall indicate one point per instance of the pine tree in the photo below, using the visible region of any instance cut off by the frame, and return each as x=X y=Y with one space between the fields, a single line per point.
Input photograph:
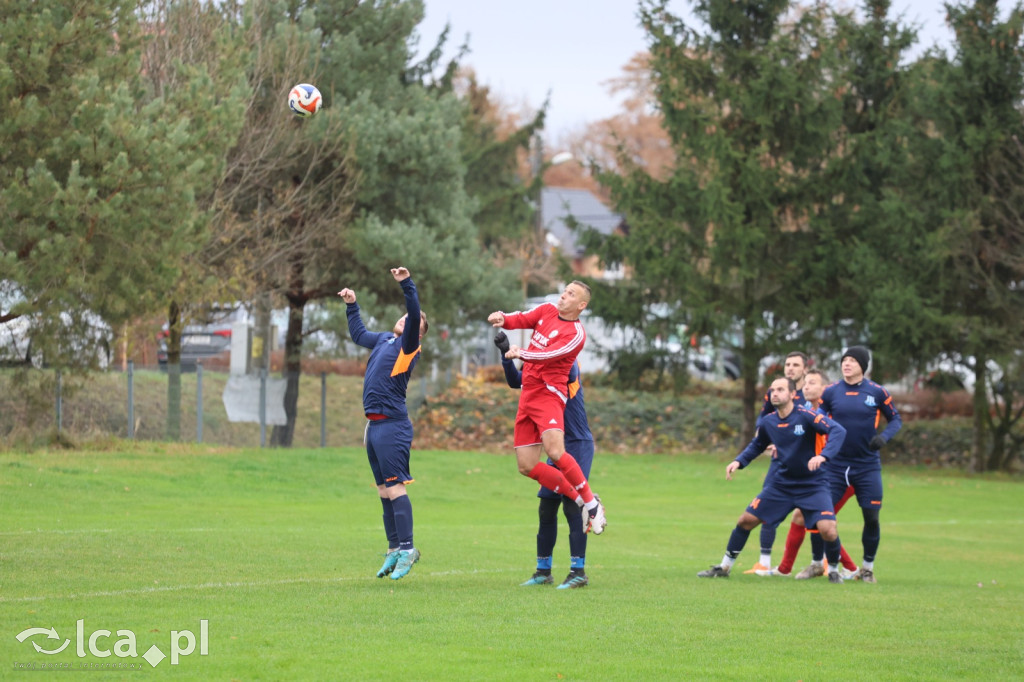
x=98 y=175
x=750 y=113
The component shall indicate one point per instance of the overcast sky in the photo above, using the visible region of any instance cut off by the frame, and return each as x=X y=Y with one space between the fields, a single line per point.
x=526 y=49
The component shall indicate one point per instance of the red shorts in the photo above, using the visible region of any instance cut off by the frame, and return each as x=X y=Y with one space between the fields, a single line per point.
x=541 y=408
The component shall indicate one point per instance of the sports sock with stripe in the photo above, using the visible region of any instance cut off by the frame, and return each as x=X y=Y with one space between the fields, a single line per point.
x=389 y=522
x=553 y=479
x=571 y=470
x=403 y=521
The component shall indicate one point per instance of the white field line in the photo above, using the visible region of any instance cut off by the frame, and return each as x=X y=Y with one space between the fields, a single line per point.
x=128 y=531
x=243 y=584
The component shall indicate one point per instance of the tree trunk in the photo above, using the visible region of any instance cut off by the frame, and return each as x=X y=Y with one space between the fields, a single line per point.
x=998 y=449
x=981 y=417
x=173 y=372
x=284 y=435
x=749 y=361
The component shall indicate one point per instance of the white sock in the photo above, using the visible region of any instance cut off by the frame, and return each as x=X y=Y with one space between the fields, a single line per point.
x=727 y=561
x=870 y=565
x=817 y=562
x=766 y=560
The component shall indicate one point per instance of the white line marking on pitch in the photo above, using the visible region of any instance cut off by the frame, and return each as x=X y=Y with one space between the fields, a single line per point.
x=228 y=586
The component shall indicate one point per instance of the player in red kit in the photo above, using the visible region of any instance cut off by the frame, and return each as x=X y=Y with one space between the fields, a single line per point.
x=558 y=337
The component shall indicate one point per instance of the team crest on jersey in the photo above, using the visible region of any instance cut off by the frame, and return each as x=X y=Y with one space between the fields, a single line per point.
x=870 y=401
x=798 y=430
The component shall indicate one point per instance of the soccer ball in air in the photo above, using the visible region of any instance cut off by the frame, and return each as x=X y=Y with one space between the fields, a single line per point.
x=304 y=100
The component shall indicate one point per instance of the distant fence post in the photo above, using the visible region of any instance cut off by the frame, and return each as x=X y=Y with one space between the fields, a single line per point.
x=199 y=401
x=323 y=409
x=263 y=407
x=131 y=399
x=59 y=402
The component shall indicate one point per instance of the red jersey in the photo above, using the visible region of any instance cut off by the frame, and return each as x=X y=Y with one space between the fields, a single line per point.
x=554 y=345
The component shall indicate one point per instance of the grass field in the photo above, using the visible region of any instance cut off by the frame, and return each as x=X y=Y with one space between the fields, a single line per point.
x=276 y=551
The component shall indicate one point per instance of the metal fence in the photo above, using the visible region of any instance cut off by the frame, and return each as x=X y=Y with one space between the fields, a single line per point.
x=134 y=403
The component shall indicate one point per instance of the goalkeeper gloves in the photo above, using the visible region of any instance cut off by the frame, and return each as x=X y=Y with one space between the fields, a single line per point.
x=876 y=443
x=501 y=341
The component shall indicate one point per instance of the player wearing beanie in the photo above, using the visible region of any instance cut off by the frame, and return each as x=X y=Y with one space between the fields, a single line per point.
x=856 y=403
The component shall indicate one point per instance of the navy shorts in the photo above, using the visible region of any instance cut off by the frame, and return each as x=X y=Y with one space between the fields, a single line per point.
x=583 y=452
x=387 y=447
x=866 y=482
x=772 y=505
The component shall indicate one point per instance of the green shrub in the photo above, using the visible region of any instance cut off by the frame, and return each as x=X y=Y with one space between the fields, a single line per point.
x=934 y=443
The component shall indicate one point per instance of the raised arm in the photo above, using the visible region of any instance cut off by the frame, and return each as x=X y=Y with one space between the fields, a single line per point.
x=356 y=328
x=513 y=377
x=411 y=333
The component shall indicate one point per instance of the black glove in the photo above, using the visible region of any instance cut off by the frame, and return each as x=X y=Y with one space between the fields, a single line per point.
x=876 y=443
x=501 y=341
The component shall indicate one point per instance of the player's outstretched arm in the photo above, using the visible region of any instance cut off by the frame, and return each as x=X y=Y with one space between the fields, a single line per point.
x=513 y=377
x=356 y=328
x=413 y=323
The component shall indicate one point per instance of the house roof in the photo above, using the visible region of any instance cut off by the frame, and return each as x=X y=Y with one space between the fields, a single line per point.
x=558 y=203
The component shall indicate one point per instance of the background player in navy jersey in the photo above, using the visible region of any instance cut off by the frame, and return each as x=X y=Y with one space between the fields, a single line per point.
x=558 y=337
x=793 y=367
x=393 y=355
x=580 y=442
x=798 y=482
x=857 y=403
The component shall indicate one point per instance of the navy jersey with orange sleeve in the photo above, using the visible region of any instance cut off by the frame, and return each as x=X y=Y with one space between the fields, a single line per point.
x=553 y=346
x=392 y=357
x=858 y=408
x=797 y=439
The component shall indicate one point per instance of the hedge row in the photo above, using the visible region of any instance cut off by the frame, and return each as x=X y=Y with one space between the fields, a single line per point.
x=478 y=413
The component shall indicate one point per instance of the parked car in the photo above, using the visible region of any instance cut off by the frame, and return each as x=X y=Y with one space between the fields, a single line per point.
x=198 y=344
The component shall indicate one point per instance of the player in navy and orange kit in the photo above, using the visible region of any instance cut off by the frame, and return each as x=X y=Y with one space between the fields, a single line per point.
x=799 y=482
x=814 y=384
x=388 y=435
x=858 y=404
x=558 y=337
x=580 y=441
x=794 y=367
